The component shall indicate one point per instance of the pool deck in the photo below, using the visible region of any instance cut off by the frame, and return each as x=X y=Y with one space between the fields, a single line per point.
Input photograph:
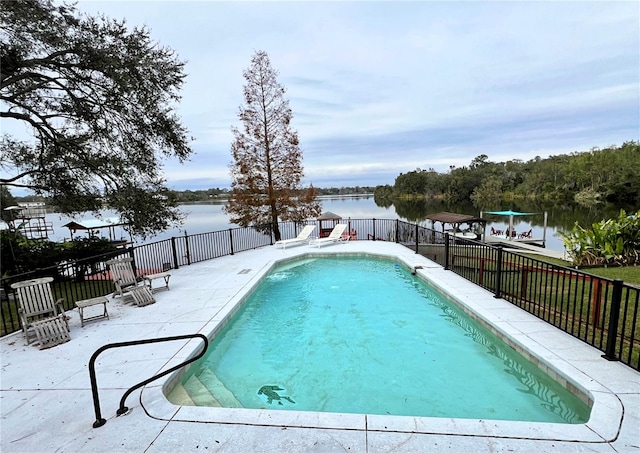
x=46 y=402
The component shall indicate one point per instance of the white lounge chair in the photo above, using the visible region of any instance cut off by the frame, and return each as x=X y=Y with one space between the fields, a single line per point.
x=334 y=236
x=300 y=239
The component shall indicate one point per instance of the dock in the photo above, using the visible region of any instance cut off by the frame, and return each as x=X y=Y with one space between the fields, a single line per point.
x=519 y=245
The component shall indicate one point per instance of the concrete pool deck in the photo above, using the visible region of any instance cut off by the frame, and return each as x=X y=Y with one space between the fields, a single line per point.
x=46 y=403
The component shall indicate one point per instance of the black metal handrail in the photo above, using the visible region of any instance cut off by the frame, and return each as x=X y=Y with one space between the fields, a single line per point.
x=123 y=409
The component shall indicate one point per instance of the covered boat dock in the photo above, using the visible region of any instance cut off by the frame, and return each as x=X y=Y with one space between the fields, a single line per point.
x=460 y=225
x=93 y=226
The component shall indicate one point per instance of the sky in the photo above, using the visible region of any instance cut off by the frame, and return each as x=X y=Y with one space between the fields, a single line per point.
x=382 y=88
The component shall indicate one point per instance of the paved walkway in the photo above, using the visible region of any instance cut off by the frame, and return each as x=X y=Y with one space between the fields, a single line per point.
x=46 y=403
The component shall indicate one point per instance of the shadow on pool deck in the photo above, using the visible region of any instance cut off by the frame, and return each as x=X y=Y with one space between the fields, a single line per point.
x=46 y=403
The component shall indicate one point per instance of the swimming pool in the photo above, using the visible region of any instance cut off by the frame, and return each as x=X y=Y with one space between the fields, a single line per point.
x=434 y=369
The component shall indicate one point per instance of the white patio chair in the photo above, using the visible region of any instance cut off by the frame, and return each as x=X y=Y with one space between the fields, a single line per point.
x=334 y=236
x=300 y=239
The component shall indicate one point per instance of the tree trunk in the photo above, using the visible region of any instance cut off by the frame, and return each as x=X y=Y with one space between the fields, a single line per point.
x=274 y=222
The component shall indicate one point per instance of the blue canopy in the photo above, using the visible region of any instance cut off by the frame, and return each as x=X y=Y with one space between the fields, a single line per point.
x=510 y=213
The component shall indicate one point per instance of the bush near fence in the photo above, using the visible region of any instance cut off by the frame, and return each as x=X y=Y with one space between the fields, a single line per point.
x=599 y=311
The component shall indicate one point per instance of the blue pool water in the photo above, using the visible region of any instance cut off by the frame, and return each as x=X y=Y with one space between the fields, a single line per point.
x=363 y=335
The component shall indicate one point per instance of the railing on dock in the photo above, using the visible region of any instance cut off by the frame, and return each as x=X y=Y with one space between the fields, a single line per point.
x=601 y=312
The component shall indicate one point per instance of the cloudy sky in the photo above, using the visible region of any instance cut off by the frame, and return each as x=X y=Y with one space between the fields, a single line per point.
x=380 y=88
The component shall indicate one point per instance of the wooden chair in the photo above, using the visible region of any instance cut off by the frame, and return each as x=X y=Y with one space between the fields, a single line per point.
x=142 y=295
x=41 y=317
x=123 y=276
x=526 y=235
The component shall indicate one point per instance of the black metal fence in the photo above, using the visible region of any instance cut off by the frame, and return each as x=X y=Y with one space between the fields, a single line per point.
x=603 y=313
x=599 y=311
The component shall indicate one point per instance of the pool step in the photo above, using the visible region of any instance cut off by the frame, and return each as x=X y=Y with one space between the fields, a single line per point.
x=223 y=395
x=296 y=263
x=199 y=393
x=179 y=396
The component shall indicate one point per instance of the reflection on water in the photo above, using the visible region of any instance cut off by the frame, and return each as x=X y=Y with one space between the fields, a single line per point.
x=203 y=218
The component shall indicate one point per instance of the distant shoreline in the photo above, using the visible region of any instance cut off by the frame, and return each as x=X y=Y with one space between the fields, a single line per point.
x=221 y=200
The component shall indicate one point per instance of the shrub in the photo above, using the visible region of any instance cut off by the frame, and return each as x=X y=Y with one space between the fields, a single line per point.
x=608 y=242
x=21 y=254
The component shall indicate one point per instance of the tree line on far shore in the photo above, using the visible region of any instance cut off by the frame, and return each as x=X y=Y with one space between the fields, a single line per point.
x=193 y=196
x=611 y=174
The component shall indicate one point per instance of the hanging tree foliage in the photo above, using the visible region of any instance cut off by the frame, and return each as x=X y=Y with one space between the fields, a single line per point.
x=97 y=101
x=267 y=161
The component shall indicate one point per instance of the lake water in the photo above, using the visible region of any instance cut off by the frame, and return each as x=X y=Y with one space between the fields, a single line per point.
x=204 y=218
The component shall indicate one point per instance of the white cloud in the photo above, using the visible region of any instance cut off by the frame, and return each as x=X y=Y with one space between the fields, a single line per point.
x=379 y=88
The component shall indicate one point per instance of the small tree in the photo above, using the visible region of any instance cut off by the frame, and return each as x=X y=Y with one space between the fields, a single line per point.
x=98 y=100
x=267 y=161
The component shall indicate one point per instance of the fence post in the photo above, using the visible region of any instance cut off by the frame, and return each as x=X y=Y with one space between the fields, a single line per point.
x=614 y=316
x=374 y=229
x=133 y=260
x=174 y=250
x=446 y=251
x=416 y=237
x=397 y=231
x=498 y=280
x=231 y=239
x=186 y=246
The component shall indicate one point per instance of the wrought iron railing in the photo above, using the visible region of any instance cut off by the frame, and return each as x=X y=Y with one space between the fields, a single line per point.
x=603 y=313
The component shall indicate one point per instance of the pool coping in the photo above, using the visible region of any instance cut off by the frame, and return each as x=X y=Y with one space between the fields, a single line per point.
x=525 y=332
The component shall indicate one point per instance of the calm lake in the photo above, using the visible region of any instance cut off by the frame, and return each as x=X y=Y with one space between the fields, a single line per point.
x=203 y=218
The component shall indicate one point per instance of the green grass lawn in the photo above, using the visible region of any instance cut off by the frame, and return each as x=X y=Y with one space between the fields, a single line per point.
x=628 y=274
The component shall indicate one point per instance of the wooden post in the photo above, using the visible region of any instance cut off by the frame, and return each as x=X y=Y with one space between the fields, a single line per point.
x=523 y=283
x=596 y=300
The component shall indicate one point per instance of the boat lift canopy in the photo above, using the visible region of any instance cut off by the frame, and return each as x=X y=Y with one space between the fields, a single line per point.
x=510 y=213
x=93 y=225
